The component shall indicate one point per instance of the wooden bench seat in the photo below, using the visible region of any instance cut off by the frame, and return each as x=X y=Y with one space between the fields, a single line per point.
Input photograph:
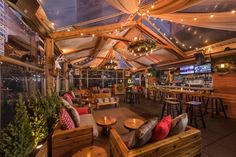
x=186 y=144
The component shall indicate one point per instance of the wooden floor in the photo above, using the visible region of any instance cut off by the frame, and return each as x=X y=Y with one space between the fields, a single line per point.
x=219 y=137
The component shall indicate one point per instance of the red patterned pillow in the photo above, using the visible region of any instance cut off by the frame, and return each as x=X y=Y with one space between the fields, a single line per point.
x=68 y=98
x=65 y=120
x=162 y=129
x=82 y=110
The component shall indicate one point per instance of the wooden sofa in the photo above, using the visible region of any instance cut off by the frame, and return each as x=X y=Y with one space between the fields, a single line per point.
x=187 y=144
x=100 y=95
x=67 y=142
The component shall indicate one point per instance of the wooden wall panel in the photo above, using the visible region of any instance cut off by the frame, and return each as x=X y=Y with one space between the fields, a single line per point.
x=225 y=85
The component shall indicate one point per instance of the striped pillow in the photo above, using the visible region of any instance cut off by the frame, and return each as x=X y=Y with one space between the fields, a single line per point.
x=74 y=115
x=65 y=120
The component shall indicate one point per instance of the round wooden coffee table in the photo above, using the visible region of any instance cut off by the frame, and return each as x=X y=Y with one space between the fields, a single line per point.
x=92 y=151
x=106 y=122
x=133 y=123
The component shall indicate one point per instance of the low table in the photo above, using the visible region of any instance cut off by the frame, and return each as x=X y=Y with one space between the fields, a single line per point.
x=106 y=122
x=92 y=151
x=133 y=123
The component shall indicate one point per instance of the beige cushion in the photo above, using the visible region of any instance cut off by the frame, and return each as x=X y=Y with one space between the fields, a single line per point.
x=87 y=119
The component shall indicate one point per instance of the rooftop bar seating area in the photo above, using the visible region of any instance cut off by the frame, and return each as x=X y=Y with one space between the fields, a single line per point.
x=117 y=78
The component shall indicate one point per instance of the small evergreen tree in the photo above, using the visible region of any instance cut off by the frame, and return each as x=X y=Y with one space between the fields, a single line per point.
x=16 y=140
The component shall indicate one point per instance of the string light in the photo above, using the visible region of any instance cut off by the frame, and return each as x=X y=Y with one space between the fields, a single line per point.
x=93 y=35
x=181 y=19
x=206 y=41
x=68 y=29
x=82 y=34
x=53 y=24
x=233 y=11
x=152 y=6
x=135 y=38
x=195 y=32
x=189 y=28
x=183 y=45
x=212 y=16
x=148 y=11
x=195 y=19
x=190 y=47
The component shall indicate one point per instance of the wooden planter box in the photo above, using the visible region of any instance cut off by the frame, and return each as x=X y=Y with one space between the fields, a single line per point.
x=186 y=144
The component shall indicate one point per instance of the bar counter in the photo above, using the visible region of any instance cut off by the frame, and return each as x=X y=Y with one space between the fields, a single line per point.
x=186 y=88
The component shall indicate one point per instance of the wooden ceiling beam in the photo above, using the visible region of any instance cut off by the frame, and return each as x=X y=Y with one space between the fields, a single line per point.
x=64 y=34
x=115 y=37
x=144 y=65
x=78 y=50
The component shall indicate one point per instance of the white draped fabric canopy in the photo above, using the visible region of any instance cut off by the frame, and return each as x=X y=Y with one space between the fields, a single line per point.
x=166 y=10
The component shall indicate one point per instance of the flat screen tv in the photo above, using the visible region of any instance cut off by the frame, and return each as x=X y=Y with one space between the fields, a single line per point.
x=205 y=68
x=187 y=69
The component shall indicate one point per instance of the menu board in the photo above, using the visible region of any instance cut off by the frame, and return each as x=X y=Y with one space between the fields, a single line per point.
x=187 y=69
x=205 y=68
x=2 y=27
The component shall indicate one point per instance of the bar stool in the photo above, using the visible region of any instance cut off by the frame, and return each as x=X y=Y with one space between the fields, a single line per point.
x=171 y=108
x=216 y=102
x=191 y=108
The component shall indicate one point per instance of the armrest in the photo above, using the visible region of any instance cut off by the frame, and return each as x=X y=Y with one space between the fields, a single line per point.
x=118 y=147
x=65 y=142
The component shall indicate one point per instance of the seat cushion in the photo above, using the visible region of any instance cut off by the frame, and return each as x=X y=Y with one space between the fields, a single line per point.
x=65 y=120
x=179 y=124
x=162 y=129
x=87 y=119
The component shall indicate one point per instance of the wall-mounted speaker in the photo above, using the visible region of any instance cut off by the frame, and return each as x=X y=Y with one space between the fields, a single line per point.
x=27 y=7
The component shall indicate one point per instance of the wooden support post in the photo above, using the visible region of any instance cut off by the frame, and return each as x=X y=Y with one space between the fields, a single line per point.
x=49 y=68
x=66 y=77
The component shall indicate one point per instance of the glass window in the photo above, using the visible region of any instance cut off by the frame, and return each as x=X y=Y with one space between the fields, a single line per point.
x=94 y=74
x=119 y=74
x=95 y=83
x=108 y=83
x=109 y=74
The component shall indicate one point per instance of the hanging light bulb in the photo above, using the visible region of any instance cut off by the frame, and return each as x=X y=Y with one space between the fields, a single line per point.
x=138 y=49
x=146 y=48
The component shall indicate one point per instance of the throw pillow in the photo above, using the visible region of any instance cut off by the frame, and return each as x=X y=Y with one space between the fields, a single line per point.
x=74 y=115
x=179 y=124
x=106 y=99
x=100 y=100
x=65 y=120
x=73 y=94
x=68 y=98
x=82 y=110
x=65 y=103
x=112 y=99
x=162 y=129
x=143 y=134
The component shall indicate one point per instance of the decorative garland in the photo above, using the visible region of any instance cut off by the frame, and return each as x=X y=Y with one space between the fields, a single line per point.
x=142 y=47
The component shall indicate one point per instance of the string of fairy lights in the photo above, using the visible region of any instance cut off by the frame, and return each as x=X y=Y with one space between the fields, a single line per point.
x=183 y=45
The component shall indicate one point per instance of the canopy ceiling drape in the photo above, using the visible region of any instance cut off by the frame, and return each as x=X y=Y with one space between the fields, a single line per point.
x=165 y=9
x=222 y=21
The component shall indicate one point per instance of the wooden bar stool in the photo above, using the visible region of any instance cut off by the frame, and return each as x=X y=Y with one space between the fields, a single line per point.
x=171 y=108
x=216 y=104
x=194 y=111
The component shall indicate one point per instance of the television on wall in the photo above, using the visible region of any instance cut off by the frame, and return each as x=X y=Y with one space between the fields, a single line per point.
x=187 y=69
x=205 y=68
